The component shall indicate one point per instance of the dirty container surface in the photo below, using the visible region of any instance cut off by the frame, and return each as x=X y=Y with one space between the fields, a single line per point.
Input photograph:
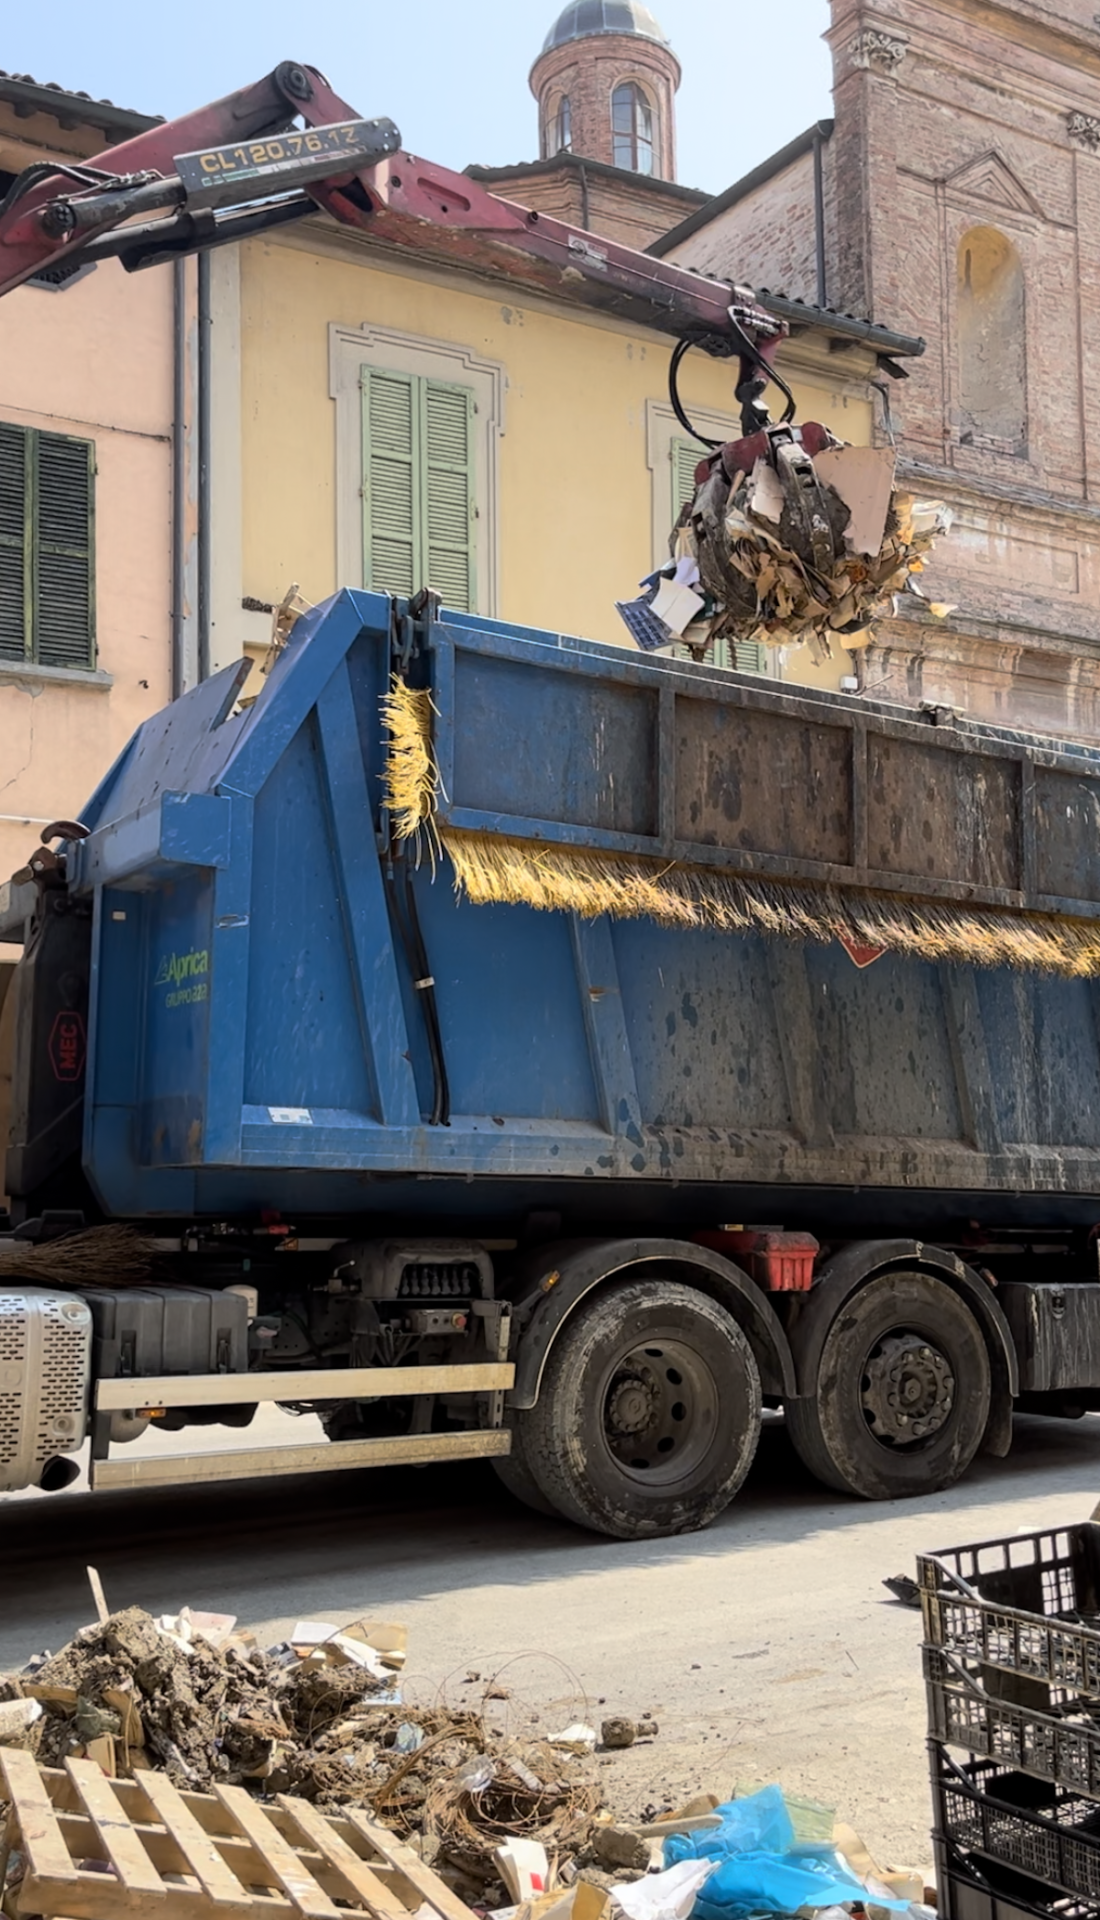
x=284 y=1015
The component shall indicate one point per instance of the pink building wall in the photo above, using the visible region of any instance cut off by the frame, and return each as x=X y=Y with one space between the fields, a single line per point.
x=93 y=360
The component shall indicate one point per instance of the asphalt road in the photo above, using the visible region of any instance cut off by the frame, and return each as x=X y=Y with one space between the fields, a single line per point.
x=766 y=1648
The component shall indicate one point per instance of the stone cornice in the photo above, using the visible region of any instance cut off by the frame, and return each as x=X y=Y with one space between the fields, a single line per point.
x=880 y=52
x=1084 y=130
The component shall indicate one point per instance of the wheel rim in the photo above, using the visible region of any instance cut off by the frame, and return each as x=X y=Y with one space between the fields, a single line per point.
x=660 y=1411
x=907 y=1390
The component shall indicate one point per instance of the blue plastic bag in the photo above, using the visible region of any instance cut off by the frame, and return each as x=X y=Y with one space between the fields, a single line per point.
x=758 y=1824
x=761 y=1869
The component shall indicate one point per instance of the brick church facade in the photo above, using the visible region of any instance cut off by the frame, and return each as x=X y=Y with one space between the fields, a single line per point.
x=956 y=195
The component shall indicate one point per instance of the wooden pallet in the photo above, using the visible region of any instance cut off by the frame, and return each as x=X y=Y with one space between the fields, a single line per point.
x=99 y=1849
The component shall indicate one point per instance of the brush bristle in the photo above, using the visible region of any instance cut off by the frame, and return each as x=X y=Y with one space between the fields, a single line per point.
x=411 y=777
x=98 y=1256
x=489 y=868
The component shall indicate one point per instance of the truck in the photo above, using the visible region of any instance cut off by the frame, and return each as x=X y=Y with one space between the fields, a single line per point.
x=508 y=1046
x=581 y=1190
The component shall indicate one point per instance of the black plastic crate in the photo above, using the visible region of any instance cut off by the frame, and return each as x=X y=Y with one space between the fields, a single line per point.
x=974 y=1889
x=1057 y=1740
x=1028 y=1605
x=989 y=1812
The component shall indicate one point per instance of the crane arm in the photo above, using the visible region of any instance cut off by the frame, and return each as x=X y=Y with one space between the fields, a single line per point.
x=242 y=166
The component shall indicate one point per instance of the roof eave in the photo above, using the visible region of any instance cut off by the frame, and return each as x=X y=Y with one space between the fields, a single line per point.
x=524 y=169
x=842 y=326
x=71 y=110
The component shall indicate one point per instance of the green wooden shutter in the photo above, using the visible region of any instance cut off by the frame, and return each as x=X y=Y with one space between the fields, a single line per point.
x=390 y=491
x=747 y=656
x=447 y=470
x=418 y=494
x=15 y=526
x=47 y=527
x=63 y=578
x=685 y=456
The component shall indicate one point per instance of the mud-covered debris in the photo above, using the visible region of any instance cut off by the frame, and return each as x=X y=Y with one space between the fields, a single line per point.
x=618 y=1731
x=615 y=1847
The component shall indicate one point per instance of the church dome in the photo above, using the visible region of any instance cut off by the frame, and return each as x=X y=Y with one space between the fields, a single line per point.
x=584 y=18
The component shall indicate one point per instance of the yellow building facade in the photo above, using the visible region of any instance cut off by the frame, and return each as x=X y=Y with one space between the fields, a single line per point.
x=382 y=422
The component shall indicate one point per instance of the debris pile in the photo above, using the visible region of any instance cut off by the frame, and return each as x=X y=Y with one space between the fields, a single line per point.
x=316 y=1729
x=788 y=569
x=320 y=1718
x=790 y=551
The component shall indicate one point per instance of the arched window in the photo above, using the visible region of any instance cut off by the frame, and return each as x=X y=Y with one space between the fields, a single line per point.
x=631 y=128
x=561 y=127
x=992 y=346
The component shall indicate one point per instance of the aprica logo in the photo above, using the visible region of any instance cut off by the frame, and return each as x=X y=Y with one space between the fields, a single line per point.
x=177 y=967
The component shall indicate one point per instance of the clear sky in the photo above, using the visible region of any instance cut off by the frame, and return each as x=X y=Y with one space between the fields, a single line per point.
x=453 y=75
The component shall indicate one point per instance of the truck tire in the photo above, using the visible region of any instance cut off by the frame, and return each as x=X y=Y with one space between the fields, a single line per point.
x=514 y=1473
x=649 y=1412
x=903 y=1392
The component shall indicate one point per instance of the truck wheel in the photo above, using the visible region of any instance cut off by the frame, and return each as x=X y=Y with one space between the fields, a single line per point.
x=513 y=1471
x=649 y=1412
x=903 y=1392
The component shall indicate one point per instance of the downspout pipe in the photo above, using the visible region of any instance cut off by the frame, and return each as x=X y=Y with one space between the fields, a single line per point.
x=179 y=474
x=819 y=215
x=205 y=540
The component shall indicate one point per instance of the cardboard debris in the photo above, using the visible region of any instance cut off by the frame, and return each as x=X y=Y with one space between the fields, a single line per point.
x=676 y=606
x=761 y=561
x=524 y=1868
x=864 y=479
x=899 y=1883
x=766 y=497
x=578 y=1738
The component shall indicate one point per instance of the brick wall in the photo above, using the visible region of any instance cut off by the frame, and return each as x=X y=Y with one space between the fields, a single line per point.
x=962 y=135
x=766 y=239
x=966 y=134
x=589 y=71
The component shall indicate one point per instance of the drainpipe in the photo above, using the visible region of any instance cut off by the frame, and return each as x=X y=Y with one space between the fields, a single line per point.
x=179 y=473
x=584 y=196
x=205 y=531
x=819 y=215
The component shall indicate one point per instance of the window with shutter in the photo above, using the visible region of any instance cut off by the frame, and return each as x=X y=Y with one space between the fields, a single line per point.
x=47 y=573
x=418 y=496
x=747 y=656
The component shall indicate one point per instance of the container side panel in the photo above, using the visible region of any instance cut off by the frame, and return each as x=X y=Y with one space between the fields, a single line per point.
x=509 y=1009
x=952 y=816
x=305 y=1042
x=176 y=990
x=886 y=1061
x=368 y=675
x=116 y=1000
x=1067 y=807
x=541 y=744
x=700 y=1017
x=1044 y=1045
x=766 y=782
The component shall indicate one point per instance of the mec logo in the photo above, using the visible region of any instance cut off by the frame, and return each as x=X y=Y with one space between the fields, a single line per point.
x=67 y=1045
